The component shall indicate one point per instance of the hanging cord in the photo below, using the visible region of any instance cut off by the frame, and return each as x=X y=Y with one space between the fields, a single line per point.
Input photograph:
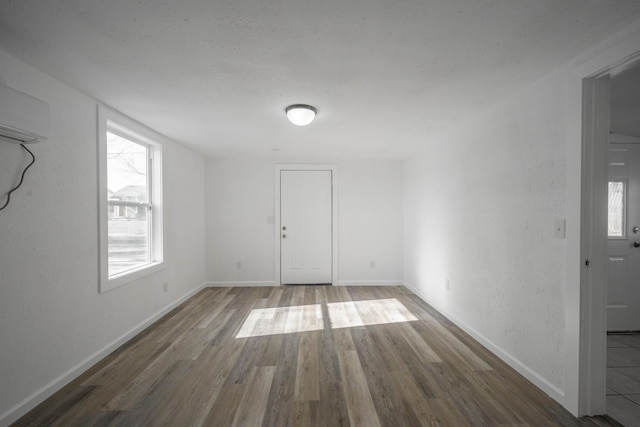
x=33 y=160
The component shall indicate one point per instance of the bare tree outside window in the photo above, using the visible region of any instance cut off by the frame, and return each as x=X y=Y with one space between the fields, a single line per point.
x=128 y=203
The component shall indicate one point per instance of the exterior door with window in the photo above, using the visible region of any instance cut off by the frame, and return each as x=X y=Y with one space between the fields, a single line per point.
x=306 y=226
x=623 y=291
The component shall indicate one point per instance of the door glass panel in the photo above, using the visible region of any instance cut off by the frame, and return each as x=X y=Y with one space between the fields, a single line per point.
x=617 y=204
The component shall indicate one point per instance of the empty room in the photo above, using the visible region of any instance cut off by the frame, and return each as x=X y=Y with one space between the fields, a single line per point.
x=319 y=213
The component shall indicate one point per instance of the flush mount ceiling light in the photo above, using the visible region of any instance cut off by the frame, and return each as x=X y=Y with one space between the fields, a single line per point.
x=301 y=114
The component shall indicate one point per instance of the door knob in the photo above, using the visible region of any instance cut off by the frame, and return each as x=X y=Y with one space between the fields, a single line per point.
x=636 y=244
x=284 y=228
x=636 y=230
x=284 y=236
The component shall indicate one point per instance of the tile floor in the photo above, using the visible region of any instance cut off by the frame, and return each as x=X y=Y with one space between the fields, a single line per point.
x=623 y=378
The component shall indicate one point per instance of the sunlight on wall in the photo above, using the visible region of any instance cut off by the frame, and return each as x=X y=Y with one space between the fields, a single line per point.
x=305 y=318
x=432 y=274
x=428 y=237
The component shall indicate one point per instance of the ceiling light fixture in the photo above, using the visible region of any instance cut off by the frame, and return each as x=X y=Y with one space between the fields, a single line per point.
x=301 y=114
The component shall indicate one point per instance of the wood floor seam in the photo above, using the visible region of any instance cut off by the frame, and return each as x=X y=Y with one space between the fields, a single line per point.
x=302 y=356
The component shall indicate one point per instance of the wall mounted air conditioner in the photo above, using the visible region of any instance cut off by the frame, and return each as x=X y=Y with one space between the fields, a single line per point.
x=23 y=118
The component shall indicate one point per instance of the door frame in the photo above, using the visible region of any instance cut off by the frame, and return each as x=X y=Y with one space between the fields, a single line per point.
x=593 y=245
x=334 y=215
x=586 y=381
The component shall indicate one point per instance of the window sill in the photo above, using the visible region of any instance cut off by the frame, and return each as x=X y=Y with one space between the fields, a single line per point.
x=130 y=276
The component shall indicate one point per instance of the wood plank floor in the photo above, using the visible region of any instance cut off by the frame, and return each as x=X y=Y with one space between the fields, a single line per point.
x=302 y=356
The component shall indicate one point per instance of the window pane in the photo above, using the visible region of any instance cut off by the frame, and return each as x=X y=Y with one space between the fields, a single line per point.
x=616 y=209
x=128 y=226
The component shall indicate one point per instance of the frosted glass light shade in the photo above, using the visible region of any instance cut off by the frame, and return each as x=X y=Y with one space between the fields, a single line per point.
x=301 y=114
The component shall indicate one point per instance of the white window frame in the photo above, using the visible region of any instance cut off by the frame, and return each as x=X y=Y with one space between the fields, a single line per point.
x=111 y=121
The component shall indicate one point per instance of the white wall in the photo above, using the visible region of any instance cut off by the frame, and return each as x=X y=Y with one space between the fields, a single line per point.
x=479 y=210
x=239 y=202
x=240 y=228
x=53 y=321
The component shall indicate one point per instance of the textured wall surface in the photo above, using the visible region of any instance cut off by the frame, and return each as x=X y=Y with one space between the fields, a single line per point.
x=479 y=212
x=52 y=317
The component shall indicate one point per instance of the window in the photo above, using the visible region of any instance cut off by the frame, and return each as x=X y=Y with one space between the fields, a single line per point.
x=130 y=168
x=617 y=208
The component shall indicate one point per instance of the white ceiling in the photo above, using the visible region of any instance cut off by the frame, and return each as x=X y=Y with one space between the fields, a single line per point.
x=386 y=76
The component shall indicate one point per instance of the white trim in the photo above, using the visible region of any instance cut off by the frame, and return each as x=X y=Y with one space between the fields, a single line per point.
x=125 y=277
x=594 y=245
x=371 y=283
x=544 y=385
x=341 y=283
x=112 y=121
x=34 y=399
x=239 y=284
x=334 y=202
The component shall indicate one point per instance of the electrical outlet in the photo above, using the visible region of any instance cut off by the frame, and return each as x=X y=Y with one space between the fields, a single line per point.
x=165 y=287
x=238 y=265
x=372 y=264
x=447 y=284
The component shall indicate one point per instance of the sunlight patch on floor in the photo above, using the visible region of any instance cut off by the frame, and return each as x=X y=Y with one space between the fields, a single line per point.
x=282 y=320
x=305 y=318
x=351 y=314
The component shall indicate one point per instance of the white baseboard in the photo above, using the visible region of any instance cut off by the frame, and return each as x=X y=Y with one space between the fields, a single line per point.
x=370 y=283
x=239 y=284
x=33 y=400
x=340 y=283
x=540 y=382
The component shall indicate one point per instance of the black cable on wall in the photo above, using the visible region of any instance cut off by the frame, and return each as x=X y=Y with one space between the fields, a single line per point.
x=33 y=160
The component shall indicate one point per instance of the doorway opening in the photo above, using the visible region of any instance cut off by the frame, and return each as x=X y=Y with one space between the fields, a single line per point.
x=623 y=232
x=606 y=231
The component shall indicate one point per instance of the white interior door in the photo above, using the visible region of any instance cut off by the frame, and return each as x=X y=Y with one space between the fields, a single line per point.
x=305 y=226
x=623 y=291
